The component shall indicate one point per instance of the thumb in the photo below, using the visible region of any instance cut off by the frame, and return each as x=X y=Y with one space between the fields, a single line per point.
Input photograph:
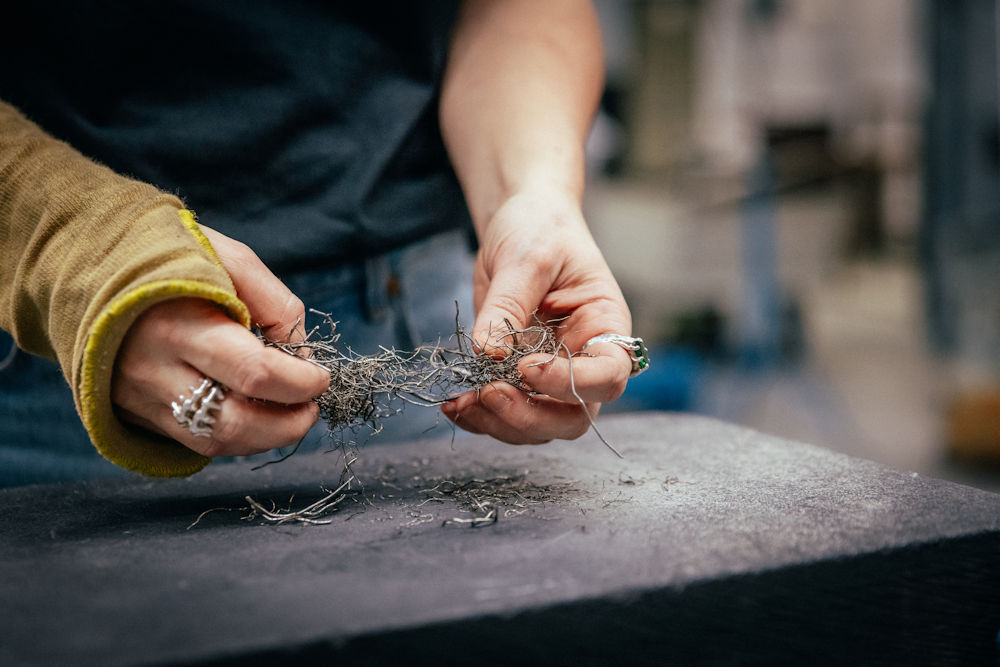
x=273 y=307
x=512 y=298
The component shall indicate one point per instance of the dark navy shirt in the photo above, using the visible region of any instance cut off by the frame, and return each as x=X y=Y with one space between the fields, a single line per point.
x=306 y=129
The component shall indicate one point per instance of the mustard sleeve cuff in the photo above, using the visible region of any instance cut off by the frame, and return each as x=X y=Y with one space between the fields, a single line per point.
x=83 y=252
x=124 y=445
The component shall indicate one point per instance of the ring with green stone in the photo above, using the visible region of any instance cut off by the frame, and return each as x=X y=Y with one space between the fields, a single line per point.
x=634 y=346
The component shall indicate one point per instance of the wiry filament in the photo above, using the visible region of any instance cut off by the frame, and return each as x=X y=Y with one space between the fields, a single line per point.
x=366 y=389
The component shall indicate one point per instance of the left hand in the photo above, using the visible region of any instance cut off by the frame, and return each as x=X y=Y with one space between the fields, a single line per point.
x=537 y=257
x=176 y=343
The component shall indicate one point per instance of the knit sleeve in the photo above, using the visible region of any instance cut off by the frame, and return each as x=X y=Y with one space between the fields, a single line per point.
x=83 y=252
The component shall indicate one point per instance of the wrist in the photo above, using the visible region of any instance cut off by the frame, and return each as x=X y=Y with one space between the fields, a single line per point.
x=537 y=204
x=544 y=173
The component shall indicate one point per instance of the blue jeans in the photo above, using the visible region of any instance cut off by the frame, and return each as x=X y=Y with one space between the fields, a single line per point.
x=400 y=299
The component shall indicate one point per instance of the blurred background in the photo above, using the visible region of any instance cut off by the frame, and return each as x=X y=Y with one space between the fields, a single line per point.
x=801 y=200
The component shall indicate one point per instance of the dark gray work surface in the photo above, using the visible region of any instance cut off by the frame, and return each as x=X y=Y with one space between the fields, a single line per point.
x=708 y=543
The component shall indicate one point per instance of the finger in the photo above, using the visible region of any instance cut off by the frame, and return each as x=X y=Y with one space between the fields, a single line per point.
x=600 y=378
x=223 y=350
x=512 y=416
x=236 y=435
x=512 y=298
x=245 y=427
x=253 y=370
x=273 y=307
x=454 y=413
x=241 y=426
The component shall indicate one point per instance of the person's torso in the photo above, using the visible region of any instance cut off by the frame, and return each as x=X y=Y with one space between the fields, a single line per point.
x=307 y=130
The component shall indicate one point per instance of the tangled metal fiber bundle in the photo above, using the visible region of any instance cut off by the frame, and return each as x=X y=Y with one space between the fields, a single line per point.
x=366 y=389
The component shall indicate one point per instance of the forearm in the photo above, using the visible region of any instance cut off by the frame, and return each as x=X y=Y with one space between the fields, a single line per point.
x=520 y=90
x=84 y=251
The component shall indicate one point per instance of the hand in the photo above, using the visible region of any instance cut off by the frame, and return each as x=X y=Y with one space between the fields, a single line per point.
x=174 y=344
x=537 y=256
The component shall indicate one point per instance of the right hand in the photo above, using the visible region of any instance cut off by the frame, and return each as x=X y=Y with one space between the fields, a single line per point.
x=174 y=344
x=537 y=257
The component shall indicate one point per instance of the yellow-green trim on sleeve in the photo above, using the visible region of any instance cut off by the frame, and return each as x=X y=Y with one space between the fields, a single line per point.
x=85 y=251
x=191 y=224
x=131 y=448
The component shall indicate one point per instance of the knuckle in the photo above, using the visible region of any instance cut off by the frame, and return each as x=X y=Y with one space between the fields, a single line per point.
x=253 y=376
x=508 y=303
x=242 y=254
x=493 y=399
x=225 y=434
x=535 y=257
x=167 y=323
x=156 y=323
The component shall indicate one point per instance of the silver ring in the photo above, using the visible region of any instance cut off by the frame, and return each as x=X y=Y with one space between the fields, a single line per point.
x=196 y=412
x=636 y=349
